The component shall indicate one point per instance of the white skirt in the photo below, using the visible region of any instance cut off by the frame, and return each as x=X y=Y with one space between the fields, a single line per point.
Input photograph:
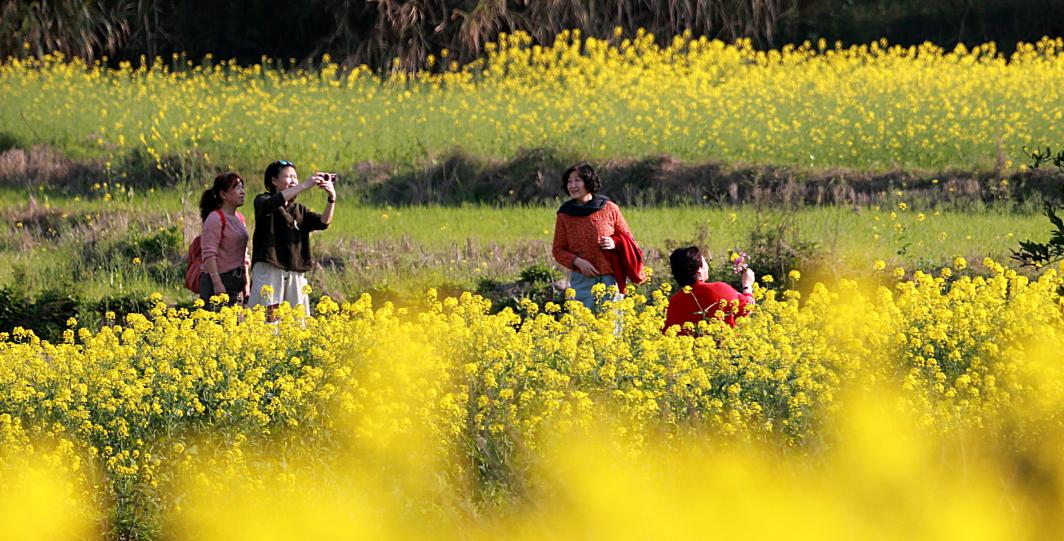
x=287 y=286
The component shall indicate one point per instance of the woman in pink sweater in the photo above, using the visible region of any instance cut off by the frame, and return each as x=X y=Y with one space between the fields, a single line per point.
x=224 y=241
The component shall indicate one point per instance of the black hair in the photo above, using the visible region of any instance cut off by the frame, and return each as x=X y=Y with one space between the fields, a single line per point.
x=211 y=200
x=272 y=171
x=685 y=263
x=584 y=172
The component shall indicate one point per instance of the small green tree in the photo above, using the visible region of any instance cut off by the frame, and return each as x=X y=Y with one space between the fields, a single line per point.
x=1040 y=254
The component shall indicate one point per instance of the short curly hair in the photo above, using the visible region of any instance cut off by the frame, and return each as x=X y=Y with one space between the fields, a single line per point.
x=685 y=263
x=584 y=172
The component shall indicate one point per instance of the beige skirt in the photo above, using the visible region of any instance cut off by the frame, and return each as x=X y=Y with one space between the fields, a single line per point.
x=287 y=286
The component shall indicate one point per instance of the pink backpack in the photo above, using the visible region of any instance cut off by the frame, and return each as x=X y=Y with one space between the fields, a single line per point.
x=195 y=256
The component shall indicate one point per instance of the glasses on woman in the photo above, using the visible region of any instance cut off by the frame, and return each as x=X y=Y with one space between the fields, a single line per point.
x=284 y=163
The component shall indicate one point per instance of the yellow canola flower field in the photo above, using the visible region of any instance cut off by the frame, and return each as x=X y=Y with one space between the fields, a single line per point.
x=929 y=409
x=814 y=105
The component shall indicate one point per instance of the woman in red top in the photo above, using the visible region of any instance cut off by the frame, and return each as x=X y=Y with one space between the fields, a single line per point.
x=698 y=300
x=584 y=229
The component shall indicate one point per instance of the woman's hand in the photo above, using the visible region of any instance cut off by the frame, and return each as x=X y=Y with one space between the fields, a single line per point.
x=325 y=182
x=606 y=243
x=585 y=267
x=748 y=279
x=216 y=283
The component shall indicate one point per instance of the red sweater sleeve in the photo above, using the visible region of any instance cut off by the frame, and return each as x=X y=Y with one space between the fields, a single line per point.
x=619 y=225
x=745 y=301
x=560 y=246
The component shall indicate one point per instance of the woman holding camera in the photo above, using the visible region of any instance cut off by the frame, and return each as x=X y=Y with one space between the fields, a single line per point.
x=281 y=248
x=224 y=241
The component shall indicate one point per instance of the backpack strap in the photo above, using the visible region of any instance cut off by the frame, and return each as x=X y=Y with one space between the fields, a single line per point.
x=222 y=216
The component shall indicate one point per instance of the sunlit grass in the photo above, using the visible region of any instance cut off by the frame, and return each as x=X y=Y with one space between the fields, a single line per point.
x=408 y=249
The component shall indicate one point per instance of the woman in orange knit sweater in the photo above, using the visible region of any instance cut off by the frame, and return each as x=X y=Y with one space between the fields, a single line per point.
x=583 y=232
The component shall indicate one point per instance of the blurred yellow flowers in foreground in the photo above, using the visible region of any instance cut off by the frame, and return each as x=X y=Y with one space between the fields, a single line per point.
x=927 y=408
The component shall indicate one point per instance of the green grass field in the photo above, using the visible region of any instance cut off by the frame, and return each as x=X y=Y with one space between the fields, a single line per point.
x=408 y=249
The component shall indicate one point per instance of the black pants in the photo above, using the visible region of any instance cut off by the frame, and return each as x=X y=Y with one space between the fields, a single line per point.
x=234 y=287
